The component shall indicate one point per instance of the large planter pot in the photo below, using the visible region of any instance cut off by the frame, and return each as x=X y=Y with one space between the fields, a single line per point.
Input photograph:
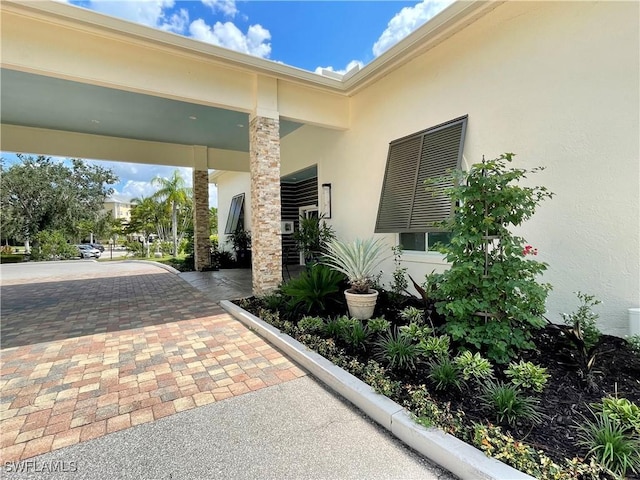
x=361 y=305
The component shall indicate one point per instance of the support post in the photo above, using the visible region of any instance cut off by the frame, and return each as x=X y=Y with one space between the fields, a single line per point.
x=264 y=153
x=201 y=242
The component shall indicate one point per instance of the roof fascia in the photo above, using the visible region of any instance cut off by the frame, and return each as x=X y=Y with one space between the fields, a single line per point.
x=448 y=22
x=97 y=23
x=451 y=20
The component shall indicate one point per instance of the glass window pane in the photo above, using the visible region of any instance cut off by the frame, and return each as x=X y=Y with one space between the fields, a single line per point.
x=413 y=241
x=236 y=214
x=438 y=237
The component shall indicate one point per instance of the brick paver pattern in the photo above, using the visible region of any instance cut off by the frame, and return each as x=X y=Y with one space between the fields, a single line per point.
x=149 y=347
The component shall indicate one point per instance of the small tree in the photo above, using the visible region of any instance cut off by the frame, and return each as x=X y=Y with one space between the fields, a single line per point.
x=175 y=193
x=52 y=244
x=490 y=296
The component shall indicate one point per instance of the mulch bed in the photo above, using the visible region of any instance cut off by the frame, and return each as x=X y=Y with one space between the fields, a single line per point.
x=566 y=399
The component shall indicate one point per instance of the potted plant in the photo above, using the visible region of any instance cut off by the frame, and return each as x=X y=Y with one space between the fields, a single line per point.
x=241 y=242
x=312 y=235
x=358 y=261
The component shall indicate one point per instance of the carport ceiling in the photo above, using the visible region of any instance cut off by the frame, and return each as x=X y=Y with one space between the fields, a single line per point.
x=45 y=102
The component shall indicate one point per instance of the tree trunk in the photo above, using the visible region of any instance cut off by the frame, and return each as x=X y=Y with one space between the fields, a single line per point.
x=27 y=246
x=174 y=228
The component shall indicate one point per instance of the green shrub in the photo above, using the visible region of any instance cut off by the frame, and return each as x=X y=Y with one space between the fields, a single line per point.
x=311 y=290
x=435 y=346
x=445 y=375
x=612 y=444
x=378 y=325
x=430 y=413
x=52 y=245
x=377 y=377
x=509 y=405
x=274 y=301
x=490 y=296
x=354 y=333
x=336 y=326
x=634 y=343
x=412 y=315
x=312 y=325
x=491 y=440
x=13 y=258
x=399 y=281
x=582 y=332
x=473 y=366
x=136 y=249
x=416 y=331
x=397 y=351
x=622 y=410
x=584 y=320
x=527 y=375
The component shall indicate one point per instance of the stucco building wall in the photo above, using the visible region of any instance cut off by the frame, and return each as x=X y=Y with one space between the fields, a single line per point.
x=557 y=84
x=229 y=185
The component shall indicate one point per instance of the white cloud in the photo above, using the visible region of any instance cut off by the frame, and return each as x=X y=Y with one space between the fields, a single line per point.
x=227 y=35
x=147 y=12
x=135 y=179
x=156 y=14
x=135 y=189
x=350 y=65
x=406 y=21
x=177 y=23
x=401 y=25
x=228 y=7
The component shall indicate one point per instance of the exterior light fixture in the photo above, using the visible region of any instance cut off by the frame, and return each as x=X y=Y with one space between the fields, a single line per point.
x=326 y=200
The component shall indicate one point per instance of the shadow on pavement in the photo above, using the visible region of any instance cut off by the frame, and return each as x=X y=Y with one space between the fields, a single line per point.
x=42 y=312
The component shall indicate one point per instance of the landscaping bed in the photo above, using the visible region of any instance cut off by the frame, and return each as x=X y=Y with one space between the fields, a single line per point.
x=472 y=352
x=564 y=403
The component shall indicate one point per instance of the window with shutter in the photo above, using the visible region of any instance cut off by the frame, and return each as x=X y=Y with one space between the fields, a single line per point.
x=405 y=204
x=236 y=214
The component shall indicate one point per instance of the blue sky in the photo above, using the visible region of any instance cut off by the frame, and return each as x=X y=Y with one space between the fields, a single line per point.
x=311 y=35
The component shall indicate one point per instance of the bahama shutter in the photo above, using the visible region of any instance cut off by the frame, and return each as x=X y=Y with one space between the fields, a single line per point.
x=405 y=203
x=237 y=204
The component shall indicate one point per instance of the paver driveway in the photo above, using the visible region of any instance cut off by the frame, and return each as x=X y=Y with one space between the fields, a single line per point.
x=92 y=348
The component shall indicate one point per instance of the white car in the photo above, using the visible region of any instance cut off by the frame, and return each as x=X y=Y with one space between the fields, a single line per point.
x=87 y=251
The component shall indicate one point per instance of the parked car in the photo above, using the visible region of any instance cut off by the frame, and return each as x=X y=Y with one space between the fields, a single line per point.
x=87 y=251
x=98 y=246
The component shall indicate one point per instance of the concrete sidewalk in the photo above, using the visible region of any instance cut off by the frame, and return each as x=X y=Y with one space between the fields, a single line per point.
x=295 y=430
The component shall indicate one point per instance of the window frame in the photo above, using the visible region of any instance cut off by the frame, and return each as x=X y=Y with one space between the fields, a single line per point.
x=411 y=160
x=426 y=243
x=236 y=214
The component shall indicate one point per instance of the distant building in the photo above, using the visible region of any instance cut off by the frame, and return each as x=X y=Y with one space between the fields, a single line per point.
x=119 y=206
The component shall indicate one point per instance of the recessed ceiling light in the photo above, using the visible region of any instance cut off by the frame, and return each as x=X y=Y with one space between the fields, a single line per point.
x=95 y=121
x=192 y=117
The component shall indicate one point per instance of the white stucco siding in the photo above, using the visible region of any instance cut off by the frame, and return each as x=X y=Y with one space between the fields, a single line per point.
x=231 y=184
x=557 y=84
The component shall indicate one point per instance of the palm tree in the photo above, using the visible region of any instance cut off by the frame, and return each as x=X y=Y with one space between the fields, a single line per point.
x=145 y=218
x=174 y=191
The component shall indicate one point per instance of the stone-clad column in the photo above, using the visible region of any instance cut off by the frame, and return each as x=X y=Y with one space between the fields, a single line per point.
x=266 y=249
x=201 y=242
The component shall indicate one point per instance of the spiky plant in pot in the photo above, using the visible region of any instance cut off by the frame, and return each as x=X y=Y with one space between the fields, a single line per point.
x=358 y=260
